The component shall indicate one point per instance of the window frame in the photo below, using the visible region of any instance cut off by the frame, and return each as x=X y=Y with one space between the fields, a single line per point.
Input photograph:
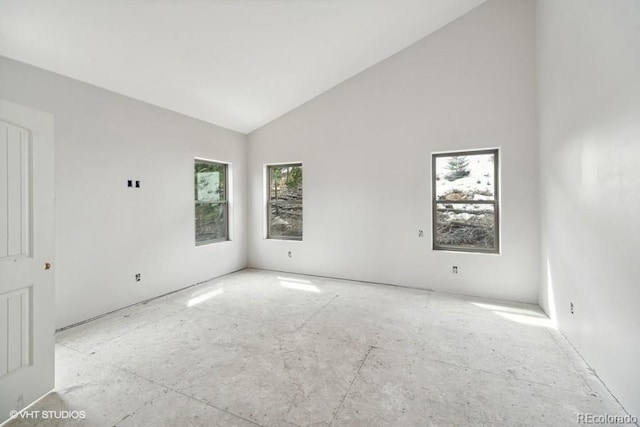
x=224 y=202
x=270 y=202
x=495 y=202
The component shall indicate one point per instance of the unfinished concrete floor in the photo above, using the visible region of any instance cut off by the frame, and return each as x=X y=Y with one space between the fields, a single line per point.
x=276 y=349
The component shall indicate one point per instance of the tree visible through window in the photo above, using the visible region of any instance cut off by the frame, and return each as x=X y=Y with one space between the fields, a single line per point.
x=211 y=202
x=284 y=206
x=465 y=201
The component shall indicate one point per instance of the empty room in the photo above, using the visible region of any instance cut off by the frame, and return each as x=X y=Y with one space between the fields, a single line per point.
x=319 y=213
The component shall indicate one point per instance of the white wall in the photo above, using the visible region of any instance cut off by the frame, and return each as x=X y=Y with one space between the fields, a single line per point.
x=589 y=108
x=106 y=233
x=366 y=144
x=366 y=148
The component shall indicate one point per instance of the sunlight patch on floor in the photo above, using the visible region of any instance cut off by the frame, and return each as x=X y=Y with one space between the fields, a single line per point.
x=205 y=297
x=520 y=315
x=298 y=284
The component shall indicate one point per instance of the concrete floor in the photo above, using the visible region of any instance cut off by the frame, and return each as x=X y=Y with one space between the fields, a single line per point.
x=275 y=349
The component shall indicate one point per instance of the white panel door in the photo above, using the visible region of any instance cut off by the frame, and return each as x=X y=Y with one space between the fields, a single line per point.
x=26 y=256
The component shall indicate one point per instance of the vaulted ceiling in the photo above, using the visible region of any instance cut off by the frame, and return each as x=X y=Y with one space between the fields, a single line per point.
x=236 y=63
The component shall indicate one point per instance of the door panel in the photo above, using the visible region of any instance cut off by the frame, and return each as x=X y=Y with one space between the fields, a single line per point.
x=16 y=330
x=14 y=189
x=26 y=244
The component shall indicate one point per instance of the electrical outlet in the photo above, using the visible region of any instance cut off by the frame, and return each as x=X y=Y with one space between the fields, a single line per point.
x=138 y=277
x=420 y=233
x=289 y=254
x=571 y=307
x=454 y=269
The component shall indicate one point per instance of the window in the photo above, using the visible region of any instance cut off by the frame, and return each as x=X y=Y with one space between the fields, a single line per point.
x=465 y=201
x=284 y=205
x=212 y=207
